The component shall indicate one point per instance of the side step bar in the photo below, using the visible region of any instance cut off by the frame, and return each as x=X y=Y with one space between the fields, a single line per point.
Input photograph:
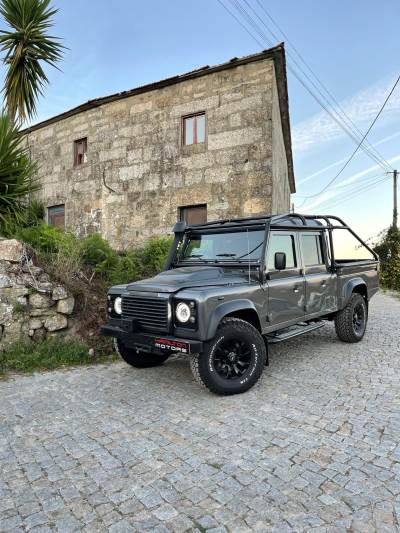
x=274 y=339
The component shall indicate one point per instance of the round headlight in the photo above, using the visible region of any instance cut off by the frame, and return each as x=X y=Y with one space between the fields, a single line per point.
x=182 y=312
x=118 y=305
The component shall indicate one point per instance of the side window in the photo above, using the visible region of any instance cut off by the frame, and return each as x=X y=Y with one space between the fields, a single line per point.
x=281 y=242
x=347 y=248
x=312 y=250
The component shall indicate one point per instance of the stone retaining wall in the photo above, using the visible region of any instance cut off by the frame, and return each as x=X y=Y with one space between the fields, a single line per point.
x=32 y=306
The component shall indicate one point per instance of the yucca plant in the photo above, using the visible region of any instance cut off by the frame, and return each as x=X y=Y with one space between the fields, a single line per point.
x=26 y=46
x=16 y=171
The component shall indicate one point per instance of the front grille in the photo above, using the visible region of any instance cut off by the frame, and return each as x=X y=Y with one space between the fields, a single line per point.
x=150 y=313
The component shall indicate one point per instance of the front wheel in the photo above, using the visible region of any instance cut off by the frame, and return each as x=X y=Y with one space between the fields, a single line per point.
x=139 y=359
x=351 y=322
x=233 y=361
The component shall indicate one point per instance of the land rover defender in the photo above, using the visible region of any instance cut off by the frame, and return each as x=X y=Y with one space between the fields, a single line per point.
x=232 y=287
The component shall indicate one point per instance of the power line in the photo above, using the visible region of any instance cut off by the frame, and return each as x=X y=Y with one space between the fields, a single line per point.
x=260 y=44
x=337 y=119
x=358 y=146
x=334 y=114
x=348 y=189
x=330 y=95
x=354 y=194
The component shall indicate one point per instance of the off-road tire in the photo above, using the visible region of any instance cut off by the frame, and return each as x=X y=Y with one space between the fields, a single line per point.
x=202 y=365
x=141 y=359
x=344 y=319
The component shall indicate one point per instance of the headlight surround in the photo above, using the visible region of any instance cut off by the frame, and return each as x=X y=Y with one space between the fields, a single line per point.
x=118 y=305
x=185 y=313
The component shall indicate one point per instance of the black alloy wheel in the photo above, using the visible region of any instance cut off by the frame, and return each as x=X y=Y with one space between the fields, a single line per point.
x=359 y=318
x=351 y=321
x=232 y=358
x=233 y=361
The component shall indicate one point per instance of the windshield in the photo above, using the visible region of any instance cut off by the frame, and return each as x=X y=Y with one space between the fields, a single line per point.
x=223 y=246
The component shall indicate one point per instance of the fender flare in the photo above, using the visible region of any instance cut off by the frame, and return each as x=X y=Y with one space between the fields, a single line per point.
x=348 y=289
x=224 y=309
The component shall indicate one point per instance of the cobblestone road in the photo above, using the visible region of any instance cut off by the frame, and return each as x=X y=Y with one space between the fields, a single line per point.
x=313 y=447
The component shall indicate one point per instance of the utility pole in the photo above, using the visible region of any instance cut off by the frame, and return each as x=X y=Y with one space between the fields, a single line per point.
x=395 y=199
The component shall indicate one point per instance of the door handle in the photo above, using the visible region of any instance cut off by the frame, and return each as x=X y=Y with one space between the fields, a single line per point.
x=296 y=289
x=323 y=284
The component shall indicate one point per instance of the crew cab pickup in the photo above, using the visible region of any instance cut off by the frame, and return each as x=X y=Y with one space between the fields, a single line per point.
x=232 y=287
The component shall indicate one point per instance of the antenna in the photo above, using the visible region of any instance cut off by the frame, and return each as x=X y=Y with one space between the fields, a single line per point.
x=248 y=251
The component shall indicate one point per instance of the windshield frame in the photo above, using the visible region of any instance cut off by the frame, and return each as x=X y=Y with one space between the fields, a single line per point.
x=223 y=260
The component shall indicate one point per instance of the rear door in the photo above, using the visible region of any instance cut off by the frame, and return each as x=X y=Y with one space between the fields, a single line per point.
x=286 y=288
x=320 y=283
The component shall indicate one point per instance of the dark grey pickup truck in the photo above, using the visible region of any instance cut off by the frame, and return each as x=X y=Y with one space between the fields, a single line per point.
x=232 y=287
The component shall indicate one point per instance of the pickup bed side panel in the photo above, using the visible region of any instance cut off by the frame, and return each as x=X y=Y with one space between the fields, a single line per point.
x=351 y=275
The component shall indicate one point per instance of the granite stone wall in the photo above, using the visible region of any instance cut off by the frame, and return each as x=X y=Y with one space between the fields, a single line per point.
x=138 y=173
x=32 y=307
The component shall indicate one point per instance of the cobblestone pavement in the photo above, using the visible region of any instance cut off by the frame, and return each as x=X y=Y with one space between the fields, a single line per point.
x=313 y=447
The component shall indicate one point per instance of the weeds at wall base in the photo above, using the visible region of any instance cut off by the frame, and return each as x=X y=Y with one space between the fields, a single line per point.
x=48 y=355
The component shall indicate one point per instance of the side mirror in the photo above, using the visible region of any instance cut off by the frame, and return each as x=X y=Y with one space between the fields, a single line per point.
x=280 y=261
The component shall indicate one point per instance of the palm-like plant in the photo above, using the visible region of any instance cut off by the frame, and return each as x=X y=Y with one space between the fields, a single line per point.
x=26 y=47
x=16 y=171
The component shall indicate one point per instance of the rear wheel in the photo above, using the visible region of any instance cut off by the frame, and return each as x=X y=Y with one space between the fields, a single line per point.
x=139 y=359
x=351 y=322
x=233 y=361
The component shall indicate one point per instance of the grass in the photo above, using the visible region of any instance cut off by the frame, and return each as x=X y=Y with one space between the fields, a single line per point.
x=47 y=355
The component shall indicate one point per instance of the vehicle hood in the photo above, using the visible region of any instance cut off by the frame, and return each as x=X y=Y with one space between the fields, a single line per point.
x=187 y=277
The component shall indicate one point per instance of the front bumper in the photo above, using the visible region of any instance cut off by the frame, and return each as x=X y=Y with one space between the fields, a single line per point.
x=152 y=343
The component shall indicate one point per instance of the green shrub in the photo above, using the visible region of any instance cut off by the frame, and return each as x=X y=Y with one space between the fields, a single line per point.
x=44 y=238
x=128 y=266
x=46 y=355
x=154 y=254
x=126 y=270
x=142 y=263
x=63 y=255
x=97 y=253
x=389 y=253
x=59 y=252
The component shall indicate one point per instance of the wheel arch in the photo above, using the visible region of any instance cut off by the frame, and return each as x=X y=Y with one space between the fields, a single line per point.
x=243 y=309
x=355 y=285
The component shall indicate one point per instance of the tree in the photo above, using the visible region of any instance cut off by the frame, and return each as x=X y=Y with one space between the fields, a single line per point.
x=26 y=47
x=16 y=171
x=388 y=250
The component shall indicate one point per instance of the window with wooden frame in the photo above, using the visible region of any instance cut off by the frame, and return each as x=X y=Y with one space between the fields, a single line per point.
x=193 y=214
x=56 y=216
x=80 y=151
x=194 y=129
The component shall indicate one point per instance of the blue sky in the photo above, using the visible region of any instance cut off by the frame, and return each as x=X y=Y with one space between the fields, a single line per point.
x=352 y=46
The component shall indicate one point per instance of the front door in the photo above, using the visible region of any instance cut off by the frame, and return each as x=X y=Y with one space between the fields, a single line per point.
x=320 y=282
x=286 y=288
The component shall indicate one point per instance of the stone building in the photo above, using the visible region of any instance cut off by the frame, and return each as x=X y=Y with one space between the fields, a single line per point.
x=212 y=143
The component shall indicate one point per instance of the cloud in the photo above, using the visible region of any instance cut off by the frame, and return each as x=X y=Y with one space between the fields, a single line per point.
x=360 y=108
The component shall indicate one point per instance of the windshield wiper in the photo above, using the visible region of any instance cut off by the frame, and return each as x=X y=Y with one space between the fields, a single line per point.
x=225 y=255
x=196 y=256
